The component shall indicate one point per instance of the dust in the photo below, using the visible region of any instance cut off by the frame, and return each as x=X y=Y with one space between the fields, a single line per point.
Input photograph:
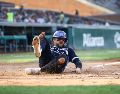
x=13 y=74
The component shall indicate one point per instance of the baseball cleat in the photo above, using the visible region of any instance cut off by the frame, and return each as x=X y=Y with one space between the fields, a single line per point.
x=32 y=71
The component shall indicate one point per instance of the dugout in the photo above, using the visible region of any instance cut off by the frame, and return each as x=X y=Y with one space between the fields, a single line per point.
x=18 y=36
x=14 y=39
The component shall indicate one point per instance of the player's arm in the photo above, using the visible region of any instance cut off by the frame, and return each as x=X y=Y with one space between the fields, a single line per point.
x=75 y=59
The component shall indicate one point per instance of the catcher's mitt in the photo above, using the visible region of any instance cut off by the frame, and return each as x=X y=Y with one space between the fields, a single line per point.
x=36 y=46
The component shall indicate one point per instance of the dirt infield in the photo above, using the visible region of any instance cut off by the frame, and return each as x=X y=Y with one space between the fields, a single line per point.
x=13 y=74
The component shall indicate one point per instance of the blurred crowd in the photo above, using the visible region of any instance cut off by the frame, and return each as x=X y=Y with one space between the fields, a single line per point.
x=42 y=16
x=36 y=16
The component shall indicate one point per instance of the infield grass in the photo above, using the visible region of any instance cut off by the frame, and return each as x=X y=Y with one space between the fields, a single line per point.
x=101 y=54
x=60 y=89
x=17 y=57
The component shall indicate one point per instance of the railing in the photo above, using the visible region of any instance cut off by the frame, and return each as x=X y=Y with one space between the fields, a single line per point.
x=14 y=44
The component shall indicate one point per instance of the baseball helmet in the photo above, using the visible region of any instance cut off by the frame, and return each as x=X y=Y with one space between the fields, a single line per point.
x=59 y=34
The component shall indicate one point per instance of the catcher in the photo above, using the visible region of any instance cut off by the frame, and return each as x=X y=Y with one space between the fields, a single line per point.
x=54 y=57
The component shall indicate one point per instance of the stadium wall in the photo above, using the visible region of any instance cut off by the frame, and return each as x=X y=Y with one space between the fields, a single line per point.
x=93 y=37
x=79 y=36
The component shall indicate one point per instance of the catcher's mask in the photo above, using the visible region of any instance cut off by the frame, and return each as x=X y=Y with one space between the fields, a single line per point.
x=60 y=35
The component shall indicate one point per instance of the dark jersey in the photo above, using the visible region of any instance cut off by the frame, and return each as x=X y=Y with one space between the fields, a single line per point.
x=51 y=52
x=69 y=52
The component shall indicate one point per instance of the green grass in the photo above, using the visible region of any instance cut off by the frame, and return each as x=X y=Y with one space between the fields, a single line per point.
x=60 y=90
x=17 y=58
x=101 y=54
x=83 y=54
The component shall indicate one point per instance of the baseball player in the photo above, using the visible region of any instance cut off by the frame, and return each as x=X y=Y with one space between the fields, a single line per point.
x=54 y=57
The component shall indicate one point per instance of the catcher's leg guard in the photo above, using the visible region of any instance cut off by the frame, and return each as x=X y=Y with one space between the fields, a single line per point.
x=32 y=71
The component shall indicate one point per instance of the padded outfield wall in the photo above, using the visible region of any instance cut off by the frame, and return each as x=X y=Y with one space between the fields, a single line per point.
x=89 y=37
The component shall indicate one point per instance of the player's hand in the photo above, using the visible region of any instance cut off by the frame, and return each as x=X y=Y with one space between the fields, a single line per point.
x=78 y=70
x=42 y=35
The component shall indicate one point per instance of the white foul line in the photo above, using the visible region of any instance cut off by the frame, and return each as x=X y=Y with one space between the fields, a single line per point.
x=102 y=65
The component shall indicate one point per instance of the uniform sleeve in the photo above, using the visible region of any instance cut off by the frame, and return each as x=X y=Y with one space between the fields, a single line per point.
x=45 y=46
x=74 y=58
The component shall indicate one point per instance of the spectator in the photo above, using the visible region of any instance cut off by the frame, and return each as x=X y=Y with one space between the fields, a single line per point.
x=18 y=18
x=77 y=17
x=107 y=24
x=1 y=14
x=4 y=14
x=21 y=9
x=10 y=16
x=61 y=17
x=76 y=12
x=40 y=19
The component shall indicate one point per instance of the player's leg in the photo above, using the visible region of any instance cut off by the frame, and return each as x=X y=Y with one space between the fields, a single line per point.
x=56 y=65
x=44 y=57
x=43 y=62
x=45 y=53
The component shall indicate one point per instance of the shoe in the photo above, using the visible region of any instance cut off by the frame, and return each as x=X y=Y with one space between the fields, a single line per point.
x=36 y=46
x=32 y=71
